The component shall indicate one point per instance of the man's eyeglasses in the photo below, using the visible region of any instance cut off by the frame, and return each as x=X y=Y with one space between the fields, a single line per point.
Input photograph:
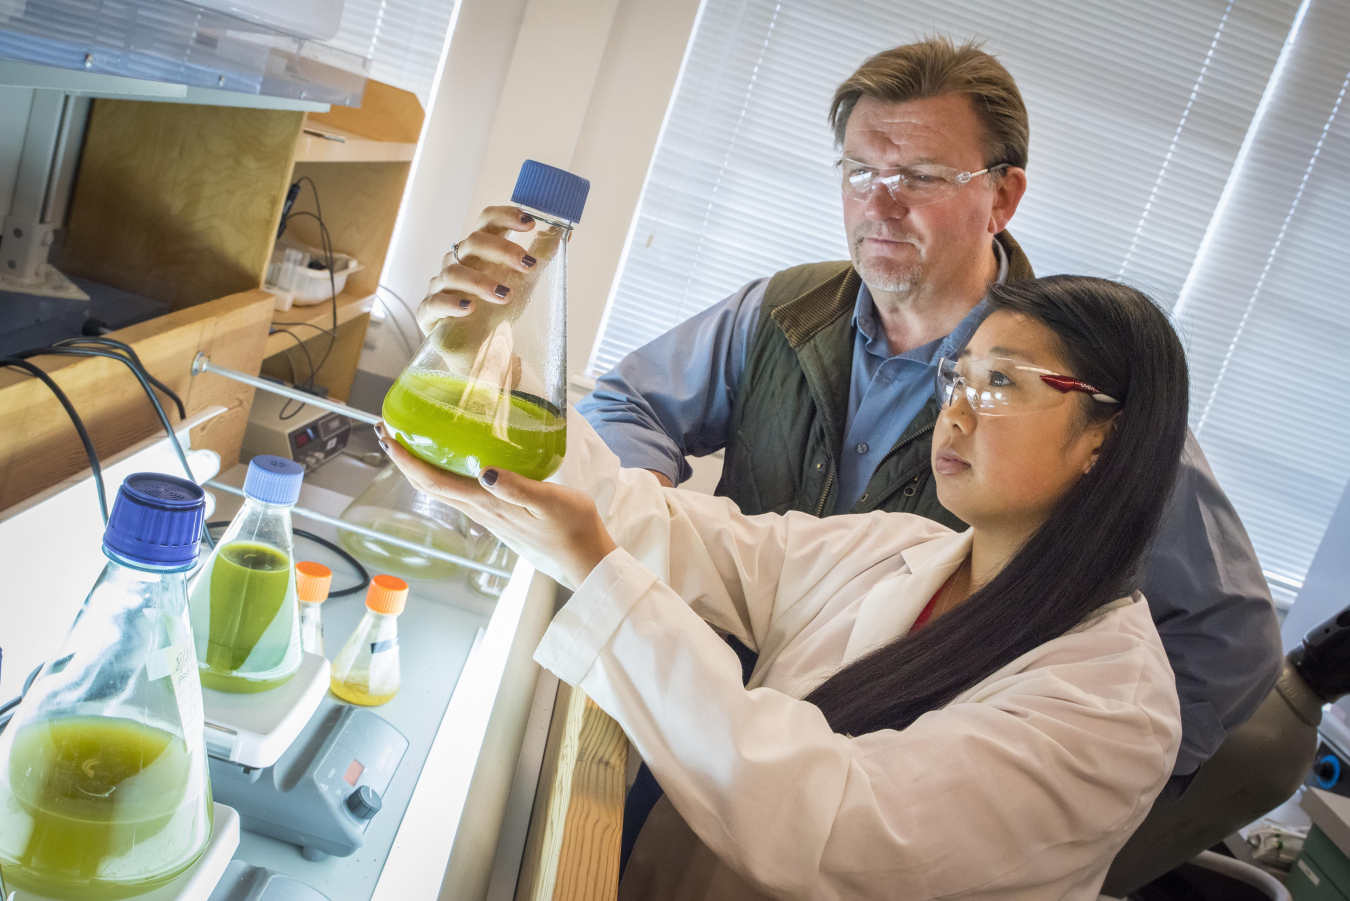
x=907 y=185
x=1002 y=387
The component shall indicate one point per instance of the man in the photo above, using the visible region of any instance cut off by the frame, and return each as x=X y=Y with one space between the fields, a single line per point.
x=818 y=381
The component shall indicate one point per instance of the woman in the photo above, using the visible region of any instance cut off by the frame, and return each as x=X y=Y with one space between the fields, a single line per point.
x=933 y=714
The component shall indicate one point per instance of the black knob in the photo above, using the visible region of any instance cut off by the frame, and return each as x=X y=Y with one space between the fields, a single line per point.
x=1324 y=769
x=364 y=802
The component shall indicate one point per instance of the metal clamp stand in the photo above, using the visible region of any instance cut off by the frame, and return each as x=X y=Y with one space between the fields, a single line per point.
x=202 y=363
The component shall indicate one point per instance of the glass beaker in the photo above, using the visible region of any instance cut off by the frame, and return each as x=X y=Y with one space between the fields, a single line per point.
x=491 y=389
x=366 y=670
x=392 y=506
x=104 y=791
x=244 y=612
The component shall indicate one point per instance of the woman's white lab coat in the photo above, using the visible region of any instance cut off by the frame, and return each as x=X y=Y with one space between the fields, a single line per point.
x=1022 y=787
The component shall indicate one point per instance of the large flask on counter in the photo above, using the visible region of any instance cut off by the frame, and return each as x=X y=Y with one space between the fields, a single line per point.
x=104 y=791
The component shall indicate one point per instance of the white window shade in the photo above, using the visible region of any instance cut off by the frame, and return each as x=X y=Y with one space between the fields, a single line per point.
x=403 y=40
x=1137 y=115
x=1265 y=311
x=1166 y=150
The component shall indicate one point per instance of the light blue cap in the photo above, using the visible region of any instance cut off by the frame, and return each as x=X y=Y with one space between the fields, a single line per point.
x=274 y=480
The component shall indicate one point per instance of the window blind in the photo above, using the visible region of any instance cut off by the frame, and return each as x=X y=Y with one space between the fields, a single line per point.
x=1265 y=309
x=1137 y=112
x=403 y=40
x=1166 y=151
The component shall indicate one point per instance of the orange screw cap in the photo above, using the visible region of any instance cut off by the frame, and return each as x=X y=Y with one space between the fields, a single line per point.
x=312 y=581
x=387 y=594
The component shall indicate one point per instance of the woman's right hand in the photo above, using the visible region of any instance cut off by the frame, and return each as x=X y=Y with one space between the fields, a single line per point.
x=487 y=261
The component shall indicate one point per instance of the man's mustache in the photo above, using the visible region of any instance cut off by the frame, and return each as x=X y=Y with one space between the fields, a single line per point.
x=862 y=233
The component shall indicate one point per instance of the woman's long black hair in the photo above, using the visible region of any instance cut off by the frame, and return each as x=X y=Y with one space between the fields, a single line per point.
x=1089 y=550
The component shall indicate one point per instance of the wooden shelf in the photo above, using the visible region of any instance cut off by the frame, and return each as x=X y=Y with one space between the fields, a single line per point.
x=299 y=320
x=354 y=148
x=180 y=203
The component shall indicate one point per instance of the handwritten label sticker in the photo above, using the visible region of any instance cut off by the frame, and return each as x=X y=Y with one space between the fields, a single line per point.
x=179 y=663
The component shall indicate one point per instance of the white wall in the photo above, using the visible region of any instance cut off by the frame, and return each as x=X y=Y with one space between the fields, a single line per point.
x=1326 y=588
x=579 y=84
x=15 y=104
x=454 y=139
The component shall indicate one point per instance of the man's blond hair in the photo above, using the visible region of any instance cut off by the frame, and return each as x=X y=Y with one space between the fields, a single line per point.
x=936 y=67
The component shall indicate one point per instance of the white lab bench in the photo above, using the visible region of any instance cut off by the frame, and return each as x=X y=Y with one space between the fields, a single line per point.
x=469 y=684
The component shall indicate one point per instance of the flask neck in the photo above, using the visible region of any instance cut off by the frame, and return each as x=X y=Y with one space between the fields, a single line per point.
x=134 y=570
x=257 y=519
x=263 y=508
x=548 y=218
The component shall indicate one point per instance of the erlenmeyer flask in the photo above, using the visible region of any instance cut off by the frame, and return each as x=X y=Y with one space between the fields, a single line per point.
x=366 y=670
x=491 y=389
x=104 y=791
x=244 y=612
x=391 y=506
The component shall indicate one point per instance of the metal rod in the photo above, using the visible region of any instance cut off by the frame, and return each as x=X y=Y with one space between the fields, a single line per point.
x=377 y=536
x=202 y=363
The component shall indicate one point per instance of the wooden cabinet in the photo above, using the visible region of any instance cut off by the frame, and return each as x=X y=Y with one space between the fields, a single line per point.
x=181 y=203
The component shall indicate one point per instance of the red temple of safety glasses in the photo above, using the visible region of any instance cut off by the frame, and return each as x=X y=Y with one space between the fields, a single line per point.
x=1065 y=384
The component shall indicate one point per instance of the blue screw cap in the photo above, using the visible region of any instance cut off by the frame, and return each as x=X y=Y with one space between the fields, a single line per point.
x=274 y=480
x=156 y=520
x=551 y=190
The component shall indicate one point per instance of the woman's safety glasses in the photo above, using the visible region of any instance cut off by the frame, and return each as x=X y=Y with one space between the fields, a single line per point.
x=1002 y=387
x=907 y=185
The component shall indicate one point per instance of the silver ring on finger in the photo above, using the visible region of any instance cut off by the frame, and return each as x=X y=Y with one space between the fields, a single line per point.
x=454 y=252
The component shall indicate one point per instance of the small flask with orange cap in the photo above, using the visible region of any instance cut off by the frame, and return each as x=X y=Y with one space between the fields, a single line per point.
x=366 y=670
x=312 y=582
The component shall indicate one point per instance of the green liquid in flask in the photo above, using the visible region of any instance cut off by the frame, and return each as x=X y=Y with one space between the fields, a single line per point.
x=94 y=795
x=249 y=584
x=466 y=426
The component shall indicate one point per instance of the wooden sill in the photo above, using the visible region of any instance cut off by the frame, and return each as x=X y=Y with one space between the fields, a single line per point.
x=299 y=320
x=311 y=148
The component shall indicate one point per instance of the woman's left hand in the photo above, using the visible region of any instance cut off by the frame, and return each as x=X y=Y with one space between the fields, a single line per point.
x=553 y=521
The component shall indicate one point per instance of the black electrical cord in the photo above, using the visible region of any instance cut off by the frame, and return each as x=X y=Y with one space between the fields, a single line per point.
x=70 y=348
x=75 y=421
x=141 y=376
x=130 y=352
x=408 y=345
x=329 y=259
x=283 y=415
x=350 y=560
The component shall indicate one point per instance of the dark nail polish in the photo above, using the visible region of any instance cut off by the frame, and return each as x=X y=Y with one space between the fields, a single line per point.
x=526 y=218
x=528 y=261
x=384 y=444
x=489 y=477
x=465 y=303
x=502 y=291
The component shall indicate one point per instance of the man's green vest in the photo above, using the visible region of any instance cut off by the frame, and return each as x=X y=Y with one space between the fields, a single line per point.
x=787 y=423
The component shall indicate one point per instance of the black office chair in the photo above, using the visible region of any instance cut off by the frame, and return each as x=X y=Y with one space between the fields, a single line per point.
x=1258 y=767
